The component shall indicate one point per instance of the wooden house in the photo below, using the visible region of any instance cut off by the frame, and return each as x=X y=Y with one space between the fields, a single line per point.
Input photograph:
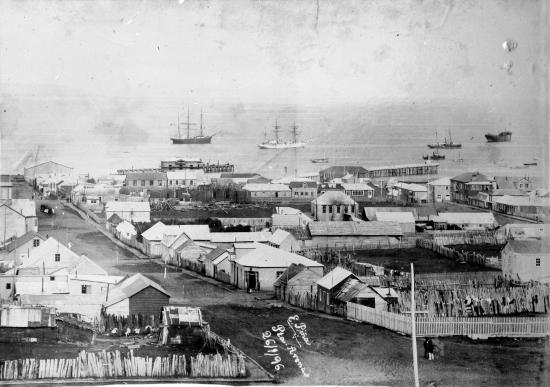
x=297 y=279
x=136 y=295
x=282 y=239
x=330 y=285
x=527 y=260
x=257 y=266
x=136 y=212
x=333 y=206
x=217 y=261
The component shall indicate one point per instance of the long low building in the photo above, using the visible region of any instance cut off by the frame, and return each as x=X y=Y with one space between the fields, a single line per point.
x=353 y=234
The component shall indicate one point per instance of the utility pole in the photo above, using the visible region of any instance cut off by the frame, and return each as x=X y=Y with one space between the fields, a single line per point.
x=413 y=309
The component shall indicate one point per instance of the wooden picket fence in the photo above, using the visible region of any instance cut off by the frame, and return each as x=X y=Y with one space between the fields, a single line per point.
x=459 y=237
x=116 y=365
x=452 y=326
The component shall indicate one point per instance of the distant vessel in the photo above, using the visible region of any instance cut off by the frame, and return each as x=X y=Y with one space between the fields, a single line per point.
x=200 y=139
x=321 y=160
x=501 y=137
x=444 y=145
x=434 y=156
x=277 y=143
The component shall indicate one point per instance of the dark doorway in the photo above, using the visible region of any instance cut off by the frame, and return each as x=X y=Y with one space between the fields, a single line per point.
x=252 y=279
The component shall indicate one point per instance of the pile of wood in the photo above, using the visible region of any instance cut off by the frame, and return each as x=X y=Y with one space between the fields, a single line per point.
x=218 y=366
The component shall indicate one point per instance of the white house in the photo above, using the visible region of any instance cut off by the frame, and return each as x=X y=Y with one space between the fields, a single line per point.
x=21 y=247
x=439 y=190
x=185 y=178
x=125 y=231
x=465 y=220
x=527 y=260
x=260 y=265
x=333 y=206
x=136 y=212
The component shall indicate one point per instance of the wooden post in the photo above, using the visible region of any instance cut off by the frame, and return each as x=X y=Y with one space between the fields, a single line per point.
x=413 y=309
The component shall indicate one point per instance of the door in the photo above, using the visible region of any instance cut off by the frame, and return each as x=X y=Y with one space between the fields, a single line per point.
x=252 y=280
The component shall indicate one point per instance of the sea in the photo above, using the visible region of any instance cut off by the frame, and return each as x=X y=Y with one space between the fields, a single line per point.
x=354 y=137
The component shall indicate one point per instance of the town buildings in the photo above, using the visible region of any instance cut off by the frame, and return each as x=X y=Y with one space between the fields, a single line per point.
x=468 y=185
x=527 y=260
x=135 y=212
x=273 y=193
x=333 y=206
x=145 y=180
x=303 y=191
x=439 y=190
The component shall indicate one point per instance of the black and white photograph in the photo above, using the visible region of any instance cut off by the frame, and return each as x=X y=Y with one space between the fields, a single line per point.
x=259 y=192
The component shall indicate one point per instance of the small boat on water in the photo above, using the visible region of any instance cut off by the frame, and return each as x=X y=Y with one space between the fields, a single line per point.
x=505 y=136
x=321 y=160
x=434 y=156
x=445 y=145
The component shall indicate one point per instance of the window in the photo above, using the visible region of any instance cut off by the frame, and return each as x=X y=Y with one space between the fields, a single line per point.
x=324 y=209
x=143 y=183
x=330 y=209
x=52 y=278
x=345 y=209
x=86 y=289
x=36 y=243
x=170 y=182
x=338 y=209
x=8 y=286
x=151 y=182
x=352 y=209
x=295 y=193
x=537 y=261
x=93 y=201
x=57 y=257
x=160 y=183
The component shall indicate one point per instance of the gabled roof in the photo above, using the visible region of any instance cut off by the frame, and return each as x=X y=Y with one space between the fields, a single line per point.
x=266 y=187
x=270 y=257
x=48 y=162
x=132 y=286
x=155 y=232
x=146 y=175
x=288 y=274
x=215 y=254
x=197 y=232
x=349 y=289
x=303 y=184
x=235 y=175
x=232 y=237
x=412 y=187
x=334 y=198
x=510 y=192
x=343 y=228
x=335 y=277
x=25 y=207
x=279 y=237
x=126 y=227
x=471 y=177
x=464 y=218
x=117 y=206
x=114 y=219
x=400 y=217
x=356 y=187
x=370 y=212
x=529 y=246
x=442 y=181
x=24 y=239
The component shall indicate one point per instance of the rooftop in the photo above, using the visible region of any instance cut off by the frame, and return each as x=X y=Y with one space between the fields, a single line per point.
x=400 y=217
x=131 y=286
x=334 y=198
x=486 y=218
x=270 y=257
x=265 y=187
x=530 y=246
x=116 y=206
x=471 y=177
x=335 y=277
x=343 y=228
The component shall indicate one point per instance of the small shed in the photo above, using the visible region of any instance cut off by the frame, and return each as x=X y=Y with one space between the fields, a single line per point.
x=126 y=231
x=405 y=220
x=280 y=283
x=112 y=223
x=216 y=261
x=330 y=285
x=136 y=295
x=181 y=325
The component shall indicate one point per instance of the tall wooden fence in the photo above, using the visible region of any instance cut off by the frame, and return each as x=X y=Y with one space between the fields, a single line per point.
x=461 y=237
x=471 y=257
x=453 y=326
x=116 y=365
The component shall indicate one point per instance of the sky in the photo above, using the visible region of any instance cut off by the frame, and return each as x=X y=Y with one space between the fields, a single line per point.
x=72 y=64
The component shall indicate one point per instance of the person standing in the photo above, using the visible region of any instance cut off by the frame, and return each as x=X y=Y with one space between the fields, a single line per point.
x=426 y=343
x=430 y=346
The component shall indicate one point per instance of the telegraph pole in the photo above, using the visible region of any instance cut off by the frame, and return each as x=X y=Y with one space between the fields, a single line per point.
x=413 y=309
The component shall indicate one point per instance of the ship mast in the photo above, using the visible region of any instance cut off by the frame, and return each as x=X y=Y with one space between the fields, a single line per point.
x=276 y=127
x=201 y=125
x=190 y=123
x=179 y=131
x=294 y=132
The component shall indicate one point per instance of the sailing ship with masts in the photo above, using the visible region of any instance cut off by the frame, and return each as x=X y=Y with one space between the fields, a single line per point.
x=278 y=143
x=445 y=144
x=200 y=139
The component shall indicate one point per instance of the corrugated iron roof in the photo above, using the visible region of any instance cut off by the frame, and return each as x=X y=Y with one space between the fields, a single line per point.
x=265 y=187
x=24 y=239
x=288 y=274
x=117 y=206
x=342 y=228
x=266 y=256
x=471 y=177
x=215 y=254
x=400 y=217
x=334 y=198
x=131 y=286
x=349 y=289
x=335 y=277
x=531 y=246
x=465 y=218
